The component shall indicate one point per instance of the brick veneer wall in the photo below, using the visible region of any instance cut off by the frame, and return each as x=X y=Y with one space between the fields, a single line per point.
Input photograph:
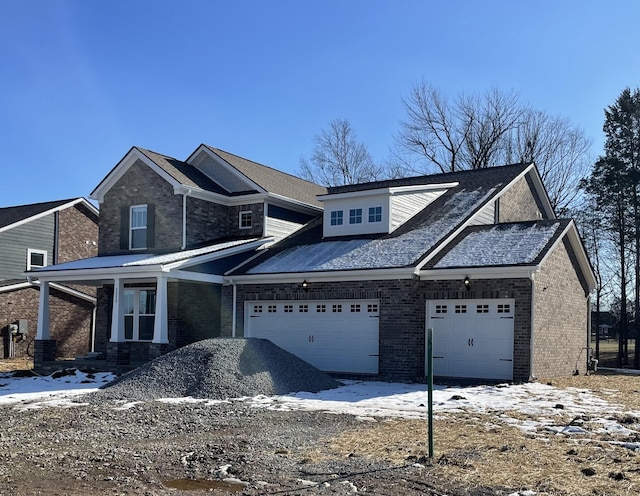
x=138 y=186
x=257 y=219
x=206 y=221
x=561 y=317
x=69 y=320
x=518 y=204
x=78 y=234
x=402 y=314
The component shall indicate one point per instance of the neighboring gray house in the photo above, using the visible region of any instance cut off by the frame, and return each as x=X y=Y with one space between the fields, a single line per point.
x=348 y=279
x=40 y=235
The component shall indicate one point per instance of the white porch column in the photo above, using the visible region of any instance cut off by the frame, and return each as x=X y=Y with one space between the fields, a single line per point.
x=42 y=331
x=161 y=327
x=117 y=316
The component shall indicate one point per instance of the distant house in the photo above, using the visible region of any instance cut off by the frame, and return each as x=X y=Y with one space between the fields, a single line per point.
x=40 y=235
x=347 y=278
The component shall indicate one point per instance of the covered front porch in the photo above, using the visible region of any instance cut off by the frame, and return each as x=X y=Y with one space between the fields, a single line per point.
x=147 y=304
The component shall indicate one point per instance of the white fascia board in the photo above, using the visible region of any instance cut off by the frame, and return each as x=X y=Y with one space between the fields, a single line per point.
x=15 y=287
x=130 y=272
x=478 y=273
x=204 y=148
x=228 y=201
x=181 y=264
x=542 y=191
x=283 y=200
x=311 y=277
x=571 y=231
x=387 y=190
x=49 y=212
x=123 y=166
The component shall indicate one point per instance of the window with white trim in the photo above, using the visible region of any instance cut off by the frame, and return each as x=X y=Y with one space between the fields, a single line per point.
x=336 y=218
x=138 y=227
x=355 y=216
x=139 y=313
x=375 y=214
x=245 y=219
x=36 y=259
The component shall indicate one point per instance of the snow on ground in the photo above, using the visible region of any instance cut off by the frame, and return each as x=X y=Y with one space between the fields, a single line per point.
x=531 y=407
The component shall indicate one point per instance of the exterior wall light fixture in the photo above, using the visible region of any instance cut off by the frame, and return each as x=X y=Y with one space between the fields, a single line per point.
x=467 y=283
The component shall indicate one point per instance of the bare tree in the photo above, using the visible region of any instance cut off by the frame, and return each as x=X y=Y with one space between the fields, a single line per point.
x=488 y=129
x=338 y=158
x=559 y=149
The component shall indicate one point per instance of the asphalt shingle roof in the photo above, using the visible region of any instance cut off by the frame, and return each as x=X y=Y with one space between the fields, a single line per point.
x=11 y=215
x=307 y=251
x=273 y=180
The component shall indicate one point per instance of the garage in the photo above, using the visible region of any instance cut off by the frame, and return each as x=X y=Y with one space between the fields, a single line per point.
x=332 y=335
x=472 y=338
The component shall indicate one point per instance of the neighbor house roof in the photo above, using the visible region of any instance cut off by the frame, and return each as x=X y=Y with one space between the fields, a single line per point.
x=408 y=245
x=273 y=180
x=13 y=216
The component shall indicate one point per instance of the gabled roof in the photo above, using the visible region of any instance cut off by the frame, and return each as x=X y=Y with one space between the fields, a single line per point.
x=14 y=216
x=409 y=246
x=272 y=180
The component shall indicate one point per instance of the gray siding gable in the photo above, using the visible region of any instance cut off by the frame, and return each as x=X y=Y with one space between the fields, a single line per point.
x=37 y=234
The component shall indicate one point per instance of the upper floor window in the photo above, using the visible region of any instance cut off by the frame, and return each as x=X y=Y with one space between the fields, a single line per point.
x=36 y=259
x=355 y=216
x=138 y=227
x=375 y=214
x=336 y=218
x=245 y=219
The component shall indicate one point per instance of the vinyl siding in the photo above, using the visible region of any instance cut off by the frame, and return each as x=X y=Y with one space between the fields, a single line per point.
x=37 y=234
x=279 y=228
x=406 y=206
x=485 y=216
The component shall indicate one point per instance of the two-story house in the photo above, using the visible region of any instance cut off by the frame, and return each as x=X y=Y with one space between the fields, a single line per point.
x=348 y=278
x=40 y=235
x=169 y=230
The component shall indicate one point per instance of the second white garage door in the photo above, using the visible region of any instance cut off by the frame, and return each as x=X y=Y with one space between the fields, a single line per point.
x=334 y=336
x=472 y=338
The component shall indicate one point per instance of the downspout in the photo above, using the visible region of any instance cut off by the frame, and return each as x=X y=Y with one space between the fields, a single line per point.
x=532 y=376
x=184 y=218
x=93 y=329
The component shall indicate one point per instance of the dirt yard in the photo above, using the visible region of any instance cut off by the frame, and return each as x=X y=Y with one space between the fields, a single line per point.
x=160 y=449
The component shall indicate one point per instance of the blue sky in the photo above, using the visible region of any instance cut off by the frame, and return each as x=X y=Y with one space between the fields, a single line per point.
x=82 y=81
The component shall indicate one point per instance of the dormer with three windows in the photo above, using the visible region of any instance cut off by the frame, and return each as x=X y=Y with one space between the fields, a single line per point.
x=375 y=211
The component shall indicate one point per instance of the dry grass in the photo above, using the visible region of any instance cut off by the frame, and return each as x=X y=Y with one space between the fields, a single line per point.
x=13 y=364
x=479 y=451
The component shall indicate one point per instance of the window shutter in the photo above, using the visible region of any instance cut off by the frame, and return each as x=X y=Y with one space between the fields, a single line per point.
x=151 y=225
x=124 y=228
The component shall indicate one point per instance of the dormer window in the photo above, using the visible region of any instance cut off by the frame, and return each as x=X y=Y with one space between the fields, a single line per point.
x=138 y=227
x=375 y=214
x=336 y=218
x=245 y=219
x=355 y=216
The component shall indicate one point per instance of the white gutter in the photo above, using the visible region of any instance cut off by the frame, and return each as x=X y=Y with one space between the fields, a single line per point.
x=478 y=273
x=234 y=301
x=333 y=276
x=184 y=218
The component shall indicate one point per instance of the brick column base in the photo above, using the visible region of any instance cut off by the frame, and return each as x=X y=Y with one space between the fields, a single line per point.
x=118 y=355
x=44 y=351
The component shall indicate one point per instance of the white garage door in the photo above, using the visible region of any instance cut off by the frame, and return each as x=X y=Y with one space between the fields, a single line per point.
x=472 y=338
x=334 y=336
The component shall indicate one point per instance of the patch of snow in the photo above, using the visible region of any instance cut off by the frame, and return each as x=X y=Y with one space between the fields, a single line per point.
x=500 y=245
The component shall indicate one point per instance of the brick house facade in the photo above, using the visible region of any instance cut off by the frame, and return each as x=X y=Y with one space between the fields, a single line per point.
x=206 y=261
x=65 y=230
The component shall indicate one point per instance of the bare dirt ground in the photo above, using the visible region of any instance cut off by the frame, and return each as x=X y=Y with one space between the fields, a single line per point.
x=144 y=449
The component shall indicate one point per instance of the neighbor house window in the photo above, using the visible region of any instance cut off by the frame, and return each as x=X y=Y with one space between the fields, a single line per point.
x=355 y=216
x=36 y=259
x=245 y=220
x=139 y=313
x=336 y=218
x=375 y=214
x=138 y=227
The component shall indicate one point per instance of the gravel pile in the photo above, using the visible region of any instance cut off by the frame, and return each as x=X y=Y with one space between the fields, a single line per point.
x=218 y=368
